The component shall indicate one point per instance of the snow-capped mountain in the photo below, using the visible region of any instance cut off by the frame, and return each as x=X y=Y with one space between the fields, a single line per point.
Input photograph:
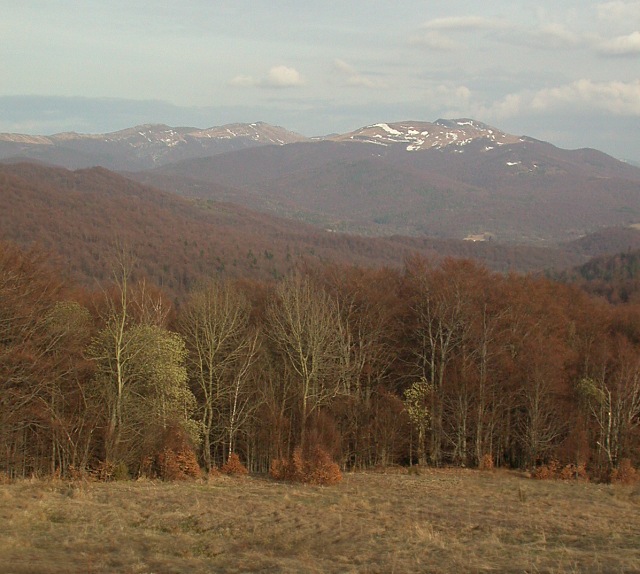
x=142 y=147
x=455 y=178
x=420 y=136
x=153 y=145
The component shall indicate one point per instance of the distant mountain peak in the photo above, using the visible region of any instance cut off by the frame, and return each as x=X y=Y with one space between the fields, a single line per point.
x=419 y=136
x=143 y=146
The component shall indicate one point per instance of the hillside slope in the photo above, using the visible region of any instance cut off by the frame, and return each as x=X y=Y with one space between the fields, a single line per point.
x=525 y=191
x=78 y=216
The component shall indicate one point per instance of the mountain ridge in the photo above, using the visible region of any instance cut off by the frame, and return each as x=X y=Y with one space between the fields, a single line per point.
x=152 y=145
x=453 y=178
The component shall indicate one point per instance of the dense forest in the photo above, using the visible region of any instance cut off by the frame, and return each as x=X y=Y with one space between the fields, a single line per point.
x=182 y=242
x=439 y=364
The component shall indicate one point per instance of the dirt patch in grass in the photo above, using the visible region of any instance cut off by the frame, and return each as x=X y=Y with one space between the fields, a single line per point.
x=438 y=521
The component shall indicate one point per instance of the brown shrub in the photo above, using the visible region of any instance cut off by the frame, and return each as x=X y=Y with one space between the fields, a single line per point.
x=103 y=471
x=77 y=474
x=316 y=469
x=625 y=473
x=547 y=471
x=486 y=462
x=554 y=470
x=233 y=466
x=176 y=460
x=574 y=472
x=178 y=464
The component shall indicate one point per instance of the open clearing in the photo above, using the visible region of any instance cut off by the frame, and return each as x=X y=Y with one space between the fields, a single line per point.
x=438 y=521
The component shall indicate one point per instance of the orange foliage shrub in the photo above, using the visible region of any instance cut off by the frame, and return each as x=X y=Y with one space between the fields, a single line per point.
x=547 y=471
x=554 y=470
x=486 y=462
x=178 y=464
x=233 y=466
x=177 y=460
x=574 y=471
x=317 y=469
x=625 y=473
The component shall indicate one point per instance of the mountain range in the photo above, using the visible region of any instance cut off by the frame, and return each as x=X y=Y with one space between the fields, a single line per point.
x=450 y=179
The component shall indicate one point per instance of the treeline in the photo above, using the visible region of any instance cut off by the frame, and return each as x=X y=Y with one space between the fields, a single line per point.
x=437 y=364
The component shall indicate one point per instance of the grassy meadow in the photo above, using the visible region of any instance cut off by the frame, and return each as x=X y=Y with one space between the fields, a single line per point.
x=435 y=521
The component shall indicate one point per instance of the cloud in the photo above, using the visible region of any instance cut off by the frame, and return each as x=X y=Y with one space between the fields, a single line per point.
x=621 y=46
x=353 y=78
x=283 y=77
x=618 y=98
x=277 y=77
x=556 y=35
x=436 y=34
x=465 y=23
x=453 y=96
x=615 y=98
x=618 y=11
x=242 y=82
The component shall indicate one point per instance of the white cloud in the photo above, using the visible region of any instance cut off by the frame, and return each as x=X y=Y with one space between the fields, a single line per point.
x=282 y=77
x=277 y=77
x=619 y=98
x=465 y=23
x=615 y=98
x=557 y=35
x=453 y=95
x=622 y=45
x=353 y=78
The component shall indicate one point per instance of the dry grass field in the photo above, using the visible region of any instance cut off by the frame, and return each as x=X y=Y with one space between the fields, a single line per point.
x=437 y=521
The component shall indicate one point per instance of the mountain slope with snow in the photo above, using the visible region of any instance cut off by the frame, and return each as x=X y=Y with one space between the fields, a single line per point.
x=141 y=147
x=421 y=136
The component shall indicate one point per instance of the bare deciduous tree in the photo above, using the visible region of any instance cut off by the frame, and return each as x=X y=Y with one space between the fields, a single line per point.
x=223 y=348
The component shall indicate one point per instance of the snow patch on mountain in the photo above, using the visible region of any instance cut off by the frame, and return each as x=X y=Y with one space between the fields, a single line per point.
x=417 y=136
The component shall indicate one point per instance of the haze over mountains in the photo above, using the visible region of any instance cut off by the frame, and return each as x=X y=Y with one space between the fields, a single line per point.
x=421 y=184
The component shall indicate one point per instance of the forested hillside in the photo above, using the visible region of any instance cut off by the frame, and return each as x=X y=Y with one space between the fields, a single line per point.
x=438 y=364
x=79 y=215
x=614 y=277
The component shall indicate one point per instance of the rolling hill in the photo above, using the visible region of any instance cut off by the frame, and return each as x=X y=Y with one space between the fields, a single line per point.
x=79 y=215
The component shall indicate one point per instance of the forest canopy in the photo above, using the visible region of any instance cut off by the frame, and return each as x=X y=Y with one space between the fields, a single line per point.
x=434 y=363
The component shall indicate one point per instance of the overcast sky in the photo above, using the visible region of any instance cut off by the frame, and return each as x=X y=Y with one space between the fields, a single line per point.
x=566 y=72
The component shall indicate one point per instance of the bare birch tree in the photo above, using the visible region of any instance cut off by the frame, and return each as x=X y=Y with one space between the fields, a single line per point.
x=223 y=347
x=304 y=324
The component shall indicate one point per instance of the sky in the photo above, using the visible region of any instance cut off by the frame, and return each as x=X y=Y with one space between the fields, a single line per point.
x=566 y=72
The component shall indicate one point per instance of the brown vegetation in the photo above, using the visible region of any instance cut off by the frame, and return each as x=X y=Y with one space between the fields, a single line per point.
x=233 y=466
x=437 y=521
x=180 y=243
x=331 y=369
x=316 y=468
